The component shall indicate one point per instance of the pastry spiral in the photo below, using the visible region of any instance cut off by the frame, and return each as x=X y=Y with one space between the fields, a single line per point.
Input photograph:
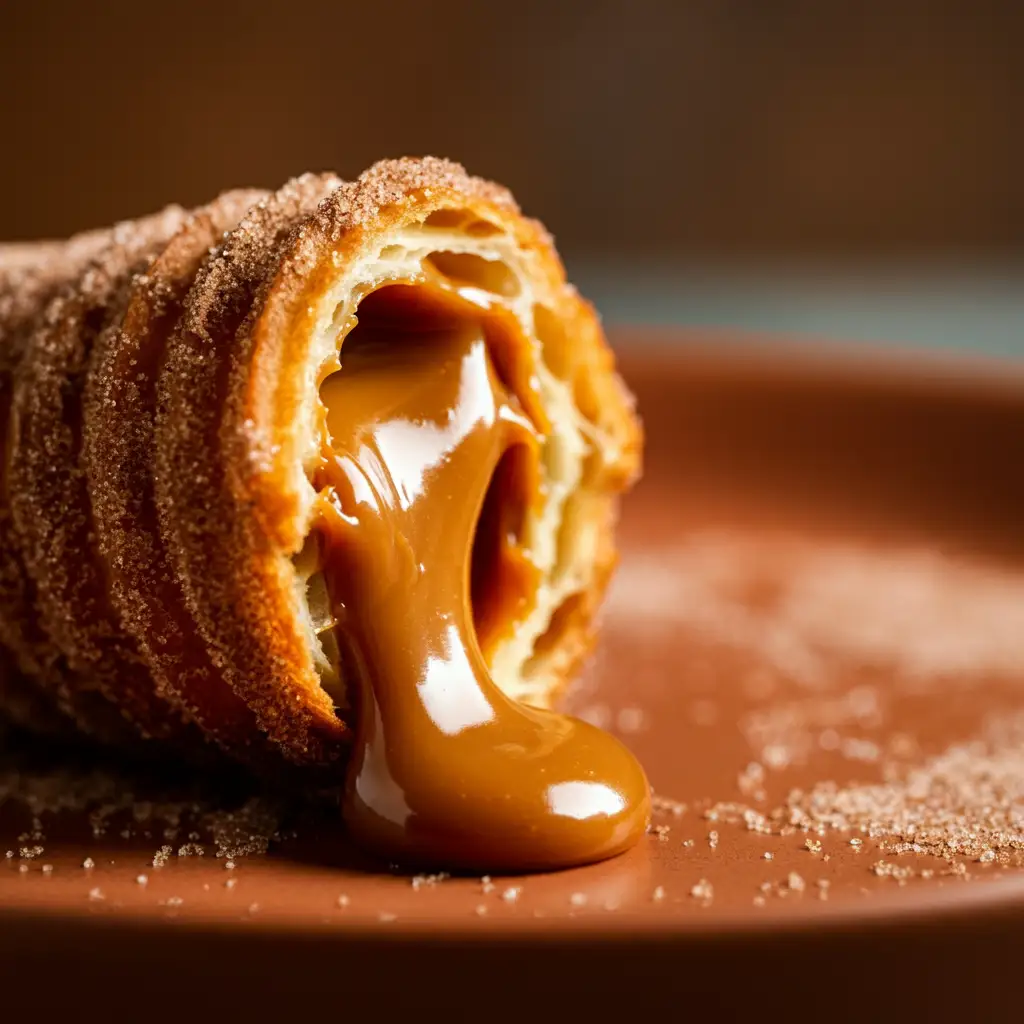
x=159 y=575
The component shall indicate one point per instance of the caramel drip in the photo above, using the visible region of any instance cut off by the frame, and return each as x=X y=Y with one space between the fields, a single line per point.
x=448 y=770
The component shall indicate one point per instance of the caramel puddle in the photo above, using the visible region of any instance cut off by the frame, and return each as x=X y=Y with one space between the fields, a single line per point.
x=446 y=769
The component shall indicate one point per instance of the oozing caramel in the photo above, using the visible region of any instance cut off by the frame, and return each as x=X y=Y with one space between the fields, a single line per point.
x=430 y=450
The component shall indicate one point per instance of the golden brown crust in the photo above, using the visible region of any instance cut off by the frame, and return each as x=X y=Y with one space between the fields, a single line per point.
x=207 y=533
x=196 y=434
x=30 y=275
x=49 y=500
x=118 y=456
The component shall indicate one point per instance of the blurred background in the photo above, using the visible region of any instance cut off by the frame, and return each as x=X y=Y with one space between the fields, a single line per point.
x=825 y=168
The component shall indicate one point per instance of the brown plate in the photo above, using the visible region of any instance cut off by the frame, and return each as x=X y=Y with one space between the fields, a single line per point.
x=815 y=643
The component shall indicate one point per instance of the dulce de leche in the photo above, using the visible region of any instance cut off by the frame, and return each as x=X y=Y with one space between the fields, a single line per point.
x=431 y=456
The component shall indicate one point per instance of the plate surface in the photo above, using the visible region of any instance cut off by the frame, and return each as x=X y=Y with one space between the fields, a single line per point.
x=815 y=642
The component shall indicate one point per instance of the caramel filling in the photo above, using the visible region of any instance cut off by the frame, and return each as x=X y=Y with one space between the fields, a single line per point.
x=433 y=459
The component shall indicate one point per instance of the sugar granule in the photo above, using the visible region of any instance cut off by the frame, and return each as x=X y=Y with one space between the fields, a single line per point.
x=88 y=863
x=659 y=894
x=666 y=805
x=703 y=890
x=578 y=899
x=96 y=894
x=511 y=894
x=142 y=880
x=418 y=881
x=342 y=901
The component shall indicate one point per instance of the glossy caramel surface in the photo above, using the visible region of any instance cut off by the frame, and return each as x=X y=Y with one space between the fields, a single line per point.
x=448 y=771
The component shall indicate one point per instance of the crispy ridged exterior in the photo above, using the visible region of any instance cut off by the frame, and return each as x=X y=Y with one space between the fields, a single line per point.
x=154 y=484
x=205 y=529
x=118 y=455
x=31 y=274
x=48 y=494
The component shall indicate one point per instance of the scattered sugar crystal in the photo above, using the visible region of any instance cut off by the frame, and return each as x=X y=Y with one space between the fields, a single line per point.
x=511 y=894
x=418 y=881
x=142 y=879
x=659 y=894
x=795 y=882
x=96 y=894
x=667 y=805
x=703 y=890
x=88 y=863
x=578 y=899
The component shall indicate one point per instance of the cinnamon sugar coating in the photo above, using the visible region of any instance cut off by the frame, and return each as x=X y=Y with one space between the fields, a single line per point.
x=207 y=528
x=161 y=376
x=48 y=496
x=118 y=456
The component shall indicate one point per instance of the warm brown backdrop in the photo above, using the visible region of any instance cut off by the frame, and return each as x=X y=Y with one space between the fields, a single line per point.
x=743 y=127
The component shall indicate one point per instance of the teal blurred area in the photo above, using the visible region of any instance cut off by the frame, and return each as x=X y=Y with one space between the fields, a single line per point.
x=960 y=308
